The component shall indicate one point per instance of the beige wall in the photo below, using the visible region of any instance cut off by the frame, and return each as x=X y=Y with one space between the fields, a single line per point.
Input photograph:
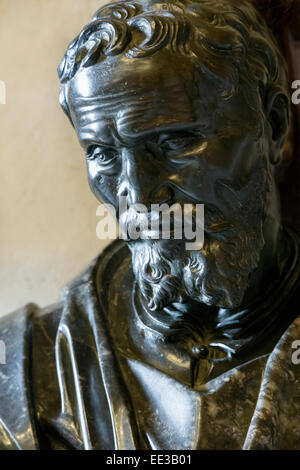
x=47 y=212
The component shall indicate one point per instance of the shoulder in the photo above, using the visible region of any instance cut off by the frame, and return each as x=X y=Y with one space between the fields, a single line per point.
x=27 y=343
x=16 y=429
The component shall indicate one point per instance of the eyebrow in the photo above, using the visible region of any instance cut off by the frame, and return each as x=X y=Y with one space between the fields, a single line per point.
x=88 y=139
x=183 y=132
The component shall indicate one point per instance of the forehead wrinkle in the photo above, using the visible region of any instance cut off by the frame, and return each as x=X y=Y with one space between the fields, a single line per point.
x=132 y=113
x=105 y=101
x=136 y=122
x=103 y=96
x=145 y=119
x=135 y=133
x=110 y=108
x=114 y=104
x=135 y=97
x=132 y=126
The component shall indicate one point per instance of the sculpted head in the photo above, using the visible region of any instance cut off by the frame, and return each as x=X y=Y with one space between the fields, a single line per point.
x=184 y=102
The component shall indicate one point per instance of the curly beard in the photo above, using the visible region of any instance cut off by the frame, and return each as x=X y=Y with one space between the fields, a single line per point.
x=218 y=274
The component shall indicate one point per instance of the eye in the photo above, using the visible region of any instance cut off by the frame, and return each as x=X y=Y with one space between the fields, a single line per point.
x=103 y=155
x=182 y=149
x=182 y=142
x=177 y=143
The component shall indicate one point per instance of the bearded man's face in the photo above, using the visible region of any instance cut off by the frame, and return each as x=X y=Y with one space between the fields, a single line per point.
x=166 y=136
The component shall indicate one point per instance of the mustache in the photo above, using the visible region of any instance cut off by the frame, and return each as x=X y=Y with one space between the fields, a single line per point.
x=152 y=223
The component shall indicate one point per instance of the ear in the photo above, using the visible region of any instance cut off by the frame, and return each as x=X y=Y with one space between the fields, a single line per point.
x=277 y=109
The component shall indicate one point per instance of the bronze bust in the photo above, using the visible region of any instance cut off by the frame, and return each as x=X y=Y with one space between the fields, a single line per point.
x=155 y=346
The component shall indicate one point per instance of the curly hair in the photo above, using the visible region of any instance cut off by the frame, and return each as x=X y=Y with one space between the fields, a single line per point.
x=228 y=39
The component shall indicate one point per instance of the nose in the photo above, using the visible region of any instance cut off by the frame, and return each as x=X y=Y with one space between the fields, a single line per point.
x=140 y=181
